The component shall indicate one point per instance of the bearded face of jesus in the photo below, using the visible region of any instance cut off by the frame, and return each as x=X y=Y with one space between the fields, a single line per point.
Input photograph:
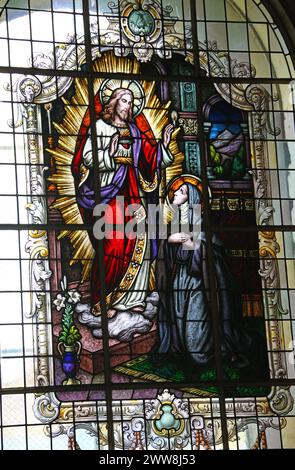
x=124 y=106
x=120 y=104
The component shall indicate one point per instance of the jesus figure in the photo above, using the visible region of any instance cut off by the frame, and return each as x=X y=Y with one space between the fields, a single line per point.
x=129 y=162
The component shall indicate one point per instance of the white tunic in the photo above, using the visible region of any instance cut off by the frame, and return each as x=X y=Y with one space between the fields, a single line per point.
x=107 y=168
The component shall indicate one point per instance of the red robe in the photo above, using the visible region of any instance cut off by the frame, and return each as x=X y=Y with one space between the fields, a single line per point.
x=117 y=250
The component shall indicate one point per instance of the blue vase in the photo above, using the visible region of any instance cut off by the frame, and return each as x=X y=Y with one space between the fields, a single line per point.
x=70 y=361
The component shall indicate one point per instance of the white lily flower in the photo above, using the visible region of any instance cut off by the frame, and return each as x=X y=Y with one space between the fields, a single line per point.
x=73 y=296
x=59 y=302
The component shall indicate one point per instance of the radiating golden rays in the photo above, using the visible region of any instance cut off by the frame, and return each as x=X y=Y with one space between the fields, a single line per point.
x=155 y=112
x=108 y=62
x=63 y=179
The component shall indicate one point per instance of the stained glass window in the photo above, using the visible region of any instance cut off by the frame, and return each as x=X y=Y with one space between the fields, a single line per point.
x=147 y=277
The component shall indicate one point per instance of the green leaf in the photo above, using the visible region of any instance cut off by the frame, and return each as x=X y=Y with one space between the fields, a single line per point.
x=238 y=167
x=69 y=334
x=218 y=171
x=217 y=159
x=62 y=337
x=212 y=151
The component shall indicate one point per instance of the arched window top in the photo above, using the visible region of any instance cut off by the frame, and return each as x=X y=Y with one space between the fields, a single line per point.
x=247 y=31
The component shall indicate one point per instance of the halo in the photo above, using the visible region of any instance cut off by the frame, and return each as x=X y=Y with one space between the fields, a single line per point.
x=178 y=181
x=110 y=85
